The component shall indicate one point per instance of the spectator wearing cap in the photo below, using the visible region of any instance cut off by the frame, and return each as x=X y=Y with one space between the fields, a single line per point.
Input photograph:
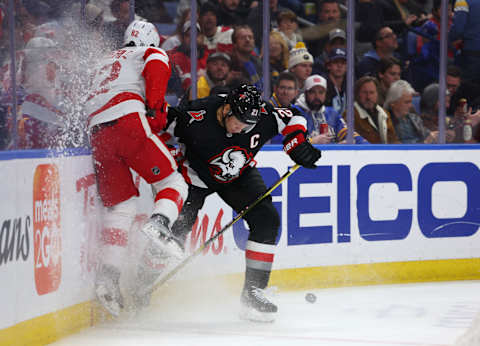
x=408 y=125
x=336 y=81
x=337 y=38
x=384 y=45
x=324 y=124
x=288 y=26
x=180 y=61
x=246 y=67
x=372 y=122
x=218 y=68
x=216 y=38
x=300 y=63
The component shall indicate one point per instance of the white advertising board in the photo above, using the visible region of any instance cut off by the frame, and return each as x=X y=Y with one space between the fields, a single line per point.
x=359 y=206
x=365 y=206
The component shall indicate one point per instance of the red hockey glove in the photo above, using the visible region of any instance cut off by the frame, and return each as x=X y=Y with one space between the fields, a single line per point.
x=157 y=118
x=300 y=150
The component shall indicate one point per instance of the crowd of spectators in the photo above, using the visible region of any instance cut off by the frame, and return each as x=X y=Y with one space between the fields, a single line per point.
x=396 y=61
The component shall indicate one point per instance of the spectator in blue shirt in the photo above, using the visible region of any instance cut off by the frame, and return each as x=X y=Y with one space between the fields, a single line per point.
x=466 y=27
x=324 y=124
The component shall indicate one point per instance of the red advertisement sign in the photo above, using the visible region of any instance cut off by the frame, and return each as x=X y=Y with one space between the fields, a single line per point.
x=46 y=228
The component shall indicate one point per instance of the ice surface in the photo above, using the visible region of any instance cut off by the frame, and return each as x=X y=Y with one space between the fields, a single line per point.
x=411 y=314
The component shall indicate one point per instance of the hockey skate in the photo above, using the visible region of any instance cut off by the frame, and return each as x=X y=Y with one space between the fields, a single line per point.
x=107 y=289
x=152 y=266
x=157 y=230
x=256 y=306
x=143 y=289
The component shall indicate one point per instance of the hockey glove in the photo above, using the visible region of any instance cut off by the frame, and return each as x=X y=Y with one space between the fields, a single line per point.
x=157 y=118
x=174 y=112
x=300 y=150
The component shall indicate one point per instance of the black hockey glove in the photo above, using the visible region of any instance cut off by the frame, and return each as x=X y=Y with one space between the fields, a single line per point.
x=174 y=112
x=300 y=150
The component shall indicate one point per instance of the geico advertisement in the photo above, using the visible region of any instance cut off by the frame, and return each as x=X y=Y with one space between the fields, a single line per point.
x=361 y=207
x=358 y=206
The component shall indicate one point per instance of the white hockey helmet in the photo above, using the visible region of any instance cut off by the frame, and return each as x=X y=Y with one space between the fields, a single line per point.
x=141 y=34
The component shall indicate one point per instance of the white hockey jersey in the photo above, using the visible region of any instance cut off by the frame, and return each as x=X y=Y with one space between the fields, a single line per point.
x=127 y=81
x=221 y=41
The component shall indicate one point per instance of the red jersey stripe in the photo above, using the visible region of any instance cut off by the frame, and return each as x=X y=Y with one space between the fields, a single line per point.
x=292 y=128
x=172 y=195
x=259 y=256
x=125 y=96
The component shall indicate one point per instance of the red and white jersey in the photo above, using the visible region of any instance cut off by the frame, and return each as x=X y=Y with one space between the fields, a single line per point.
x=221 y=41
x=127 y=81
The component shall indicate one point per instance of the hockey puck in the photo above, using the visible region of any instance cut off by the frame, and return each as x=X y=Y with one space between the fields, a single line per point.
x=311 y=298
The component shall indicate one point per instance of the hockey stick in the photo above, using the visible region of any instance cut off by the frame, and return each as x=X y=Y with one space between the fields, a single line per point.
x=242 y=213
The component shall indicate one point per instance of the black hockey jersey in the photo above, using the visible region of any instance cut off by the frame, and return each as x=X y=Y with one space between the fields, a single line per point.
x=215 y=156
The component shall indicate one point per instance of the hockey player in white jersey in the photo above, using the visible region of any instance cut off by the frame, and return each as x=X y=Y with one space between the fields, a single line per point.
x=126 y=109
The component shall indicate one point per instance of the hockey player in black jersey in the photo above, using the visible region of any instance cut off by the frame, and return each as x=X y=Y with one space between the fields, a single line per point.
x=220 y=137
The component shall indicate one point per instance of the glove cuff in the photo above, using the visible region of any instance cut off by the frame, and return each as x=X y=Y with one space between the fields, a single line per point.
x=293 y=140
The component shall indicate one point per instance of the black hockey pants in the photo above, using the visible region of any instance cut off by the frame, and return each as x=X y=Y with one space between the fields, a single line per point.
x=263 y=219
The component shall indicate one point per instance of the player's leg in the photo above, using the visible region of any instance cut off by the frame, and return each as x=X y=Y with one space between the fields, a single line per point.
x=116 y=189
x=153 y=262
x=263 y=221
x=146 y=153
x=186 y=219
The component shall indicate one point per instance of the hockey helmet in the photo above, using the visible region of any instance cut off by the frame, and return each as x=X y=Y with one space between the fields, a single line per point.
x=141 y=34
x=245 y=104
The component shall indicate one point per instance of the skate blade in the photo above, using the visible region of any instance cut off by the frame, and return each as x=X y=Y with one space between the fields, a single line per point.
x=252 y=315
x=112 y=307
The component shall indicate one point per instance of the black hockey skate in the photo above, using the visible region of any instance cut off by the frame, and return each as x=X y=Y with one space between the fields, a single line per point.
x=256 y=306
x=107 y=289
x=157 y=230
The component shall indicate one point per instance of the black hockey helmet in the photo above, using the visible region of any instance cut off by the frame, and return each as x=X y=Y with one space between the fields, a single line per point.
x=245 y=103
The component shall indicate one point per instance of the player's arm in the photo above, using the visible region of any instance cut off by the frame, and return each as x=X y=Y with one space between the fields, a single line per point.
x=295 y=143
x=156 y=72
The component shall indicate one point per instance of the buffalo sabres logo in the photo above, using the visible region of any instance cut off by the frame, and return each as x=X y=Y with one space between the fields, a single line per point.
x=230 y=163
x=196 y=115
